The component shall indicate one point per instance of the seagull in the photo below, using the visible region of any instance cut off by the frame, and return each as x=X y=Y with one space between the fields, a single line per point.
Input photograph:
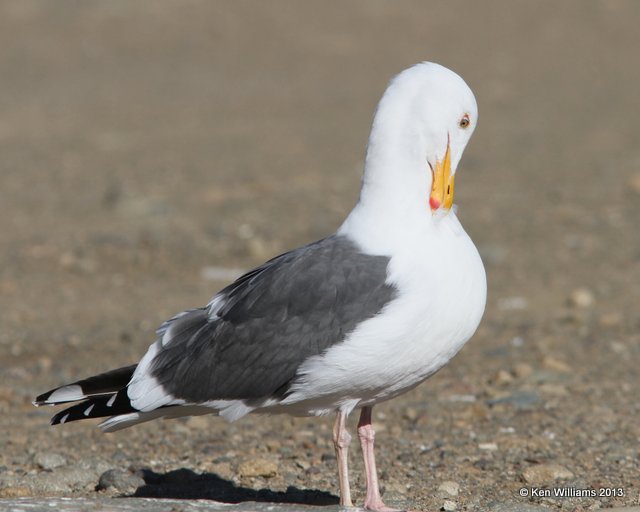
x=343 y=323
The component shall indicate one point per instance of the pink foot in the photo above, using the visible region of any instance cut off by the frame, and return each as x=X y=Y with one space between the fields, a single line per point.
x=373 y=501
x=379 y=506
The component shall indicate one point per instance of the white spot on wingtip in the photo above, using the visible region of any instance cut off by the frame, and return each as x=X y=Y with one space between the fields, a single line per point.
x=88 y=410
x=66 y=394
x=64 y=418
x=111 y=400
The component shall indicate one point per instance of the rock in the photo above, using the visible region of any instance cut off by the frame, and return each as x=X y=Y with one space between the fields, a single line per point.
x=49 y=461
x=222 y=469
x=522 y=371
x=273 y=445
x=502 y=378
x=513 y=304
x=313 y=470
x=303 y=464
x=517 y=341
x=120 y=480
x=449 y=487
x=610 y=320
x=618 y=347
x=581 y=298
x=554 y=389
x=460 y=398
x=556 y=365
x=489 y=447
x=449 y=506
x=410 y=414
x=15 y=491
x=519 y=399
x=546 y=474
x=258 y=467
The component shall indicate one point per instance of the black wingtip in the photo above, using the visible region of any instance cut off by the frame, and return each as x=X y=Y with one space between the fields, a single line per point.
x=95 y=407
x=41 y=399
x=59 y=418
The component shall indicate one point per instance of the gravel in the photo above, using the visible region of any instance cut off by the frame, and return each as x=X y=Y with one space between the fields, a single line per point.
x=152 y=150
x=546 y=474
x=121 y=481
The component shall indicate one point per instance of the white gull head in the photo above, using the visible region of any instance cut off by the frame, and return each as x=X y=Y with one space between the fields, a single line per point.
x=420 y=129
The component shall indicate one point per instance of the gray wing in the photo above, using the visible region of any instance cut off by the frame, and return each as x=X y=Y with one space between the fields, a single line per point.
x=257 y=332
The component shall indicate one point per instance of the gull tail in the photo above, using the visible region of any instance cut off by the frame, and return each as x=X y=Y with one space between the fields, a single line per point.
x=106 y=395
x=101 y=395
x=104 y=384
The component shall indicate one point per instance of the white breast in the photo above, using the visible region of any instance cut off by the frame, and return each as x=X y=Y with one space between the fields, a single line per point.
x=441 y=287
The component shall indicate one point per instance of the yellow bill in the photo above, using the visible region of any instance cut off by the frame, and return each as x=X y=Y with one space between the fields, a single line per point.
x=442 y=187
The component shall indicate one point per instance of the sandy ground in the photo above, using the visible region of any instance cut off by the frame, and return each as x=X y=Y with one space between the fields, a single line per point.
x=149 y=150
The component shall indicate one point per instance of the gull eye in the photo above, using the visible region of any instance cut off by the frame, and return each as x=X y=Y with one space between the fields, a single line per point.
x=465 y=121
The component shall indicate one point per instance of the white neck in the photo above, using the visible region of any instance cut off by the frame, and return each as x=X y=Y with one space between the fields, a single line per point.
x=394 y=199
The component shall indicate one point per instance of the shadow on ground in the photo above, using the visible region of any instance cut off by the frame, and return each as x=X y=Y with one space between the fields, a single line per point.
x=186 y=484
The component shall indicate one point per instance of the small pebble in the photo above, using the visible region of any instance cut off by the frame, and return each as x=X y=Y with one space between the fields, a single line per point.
x=460 y=398
x=581 y=298
x=222 y=469
x=556 y=365
x=610 y=320
x=522 y=370
x=517 y=341
x=15 y=492
x=303 y=464
x=554 y=389
x=258 y=467
x=542 y=474
x=489 y=447
x=513 y=304
x=410 y=414
x=519 y=399
x=49 y=461
x=449 y=506
x=313 y=470
x=449 y=487
x=119 y=480
x=502 y=377
x=618 y=347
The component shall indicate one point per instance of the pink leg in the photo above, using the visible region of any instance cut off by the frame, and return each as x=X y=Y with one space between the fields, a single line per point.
x=373 y=501
x=341 y=441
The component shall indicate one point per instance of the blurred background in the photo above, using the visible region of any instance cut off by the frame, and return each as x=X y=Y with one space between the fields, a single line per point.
x=150 y=151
